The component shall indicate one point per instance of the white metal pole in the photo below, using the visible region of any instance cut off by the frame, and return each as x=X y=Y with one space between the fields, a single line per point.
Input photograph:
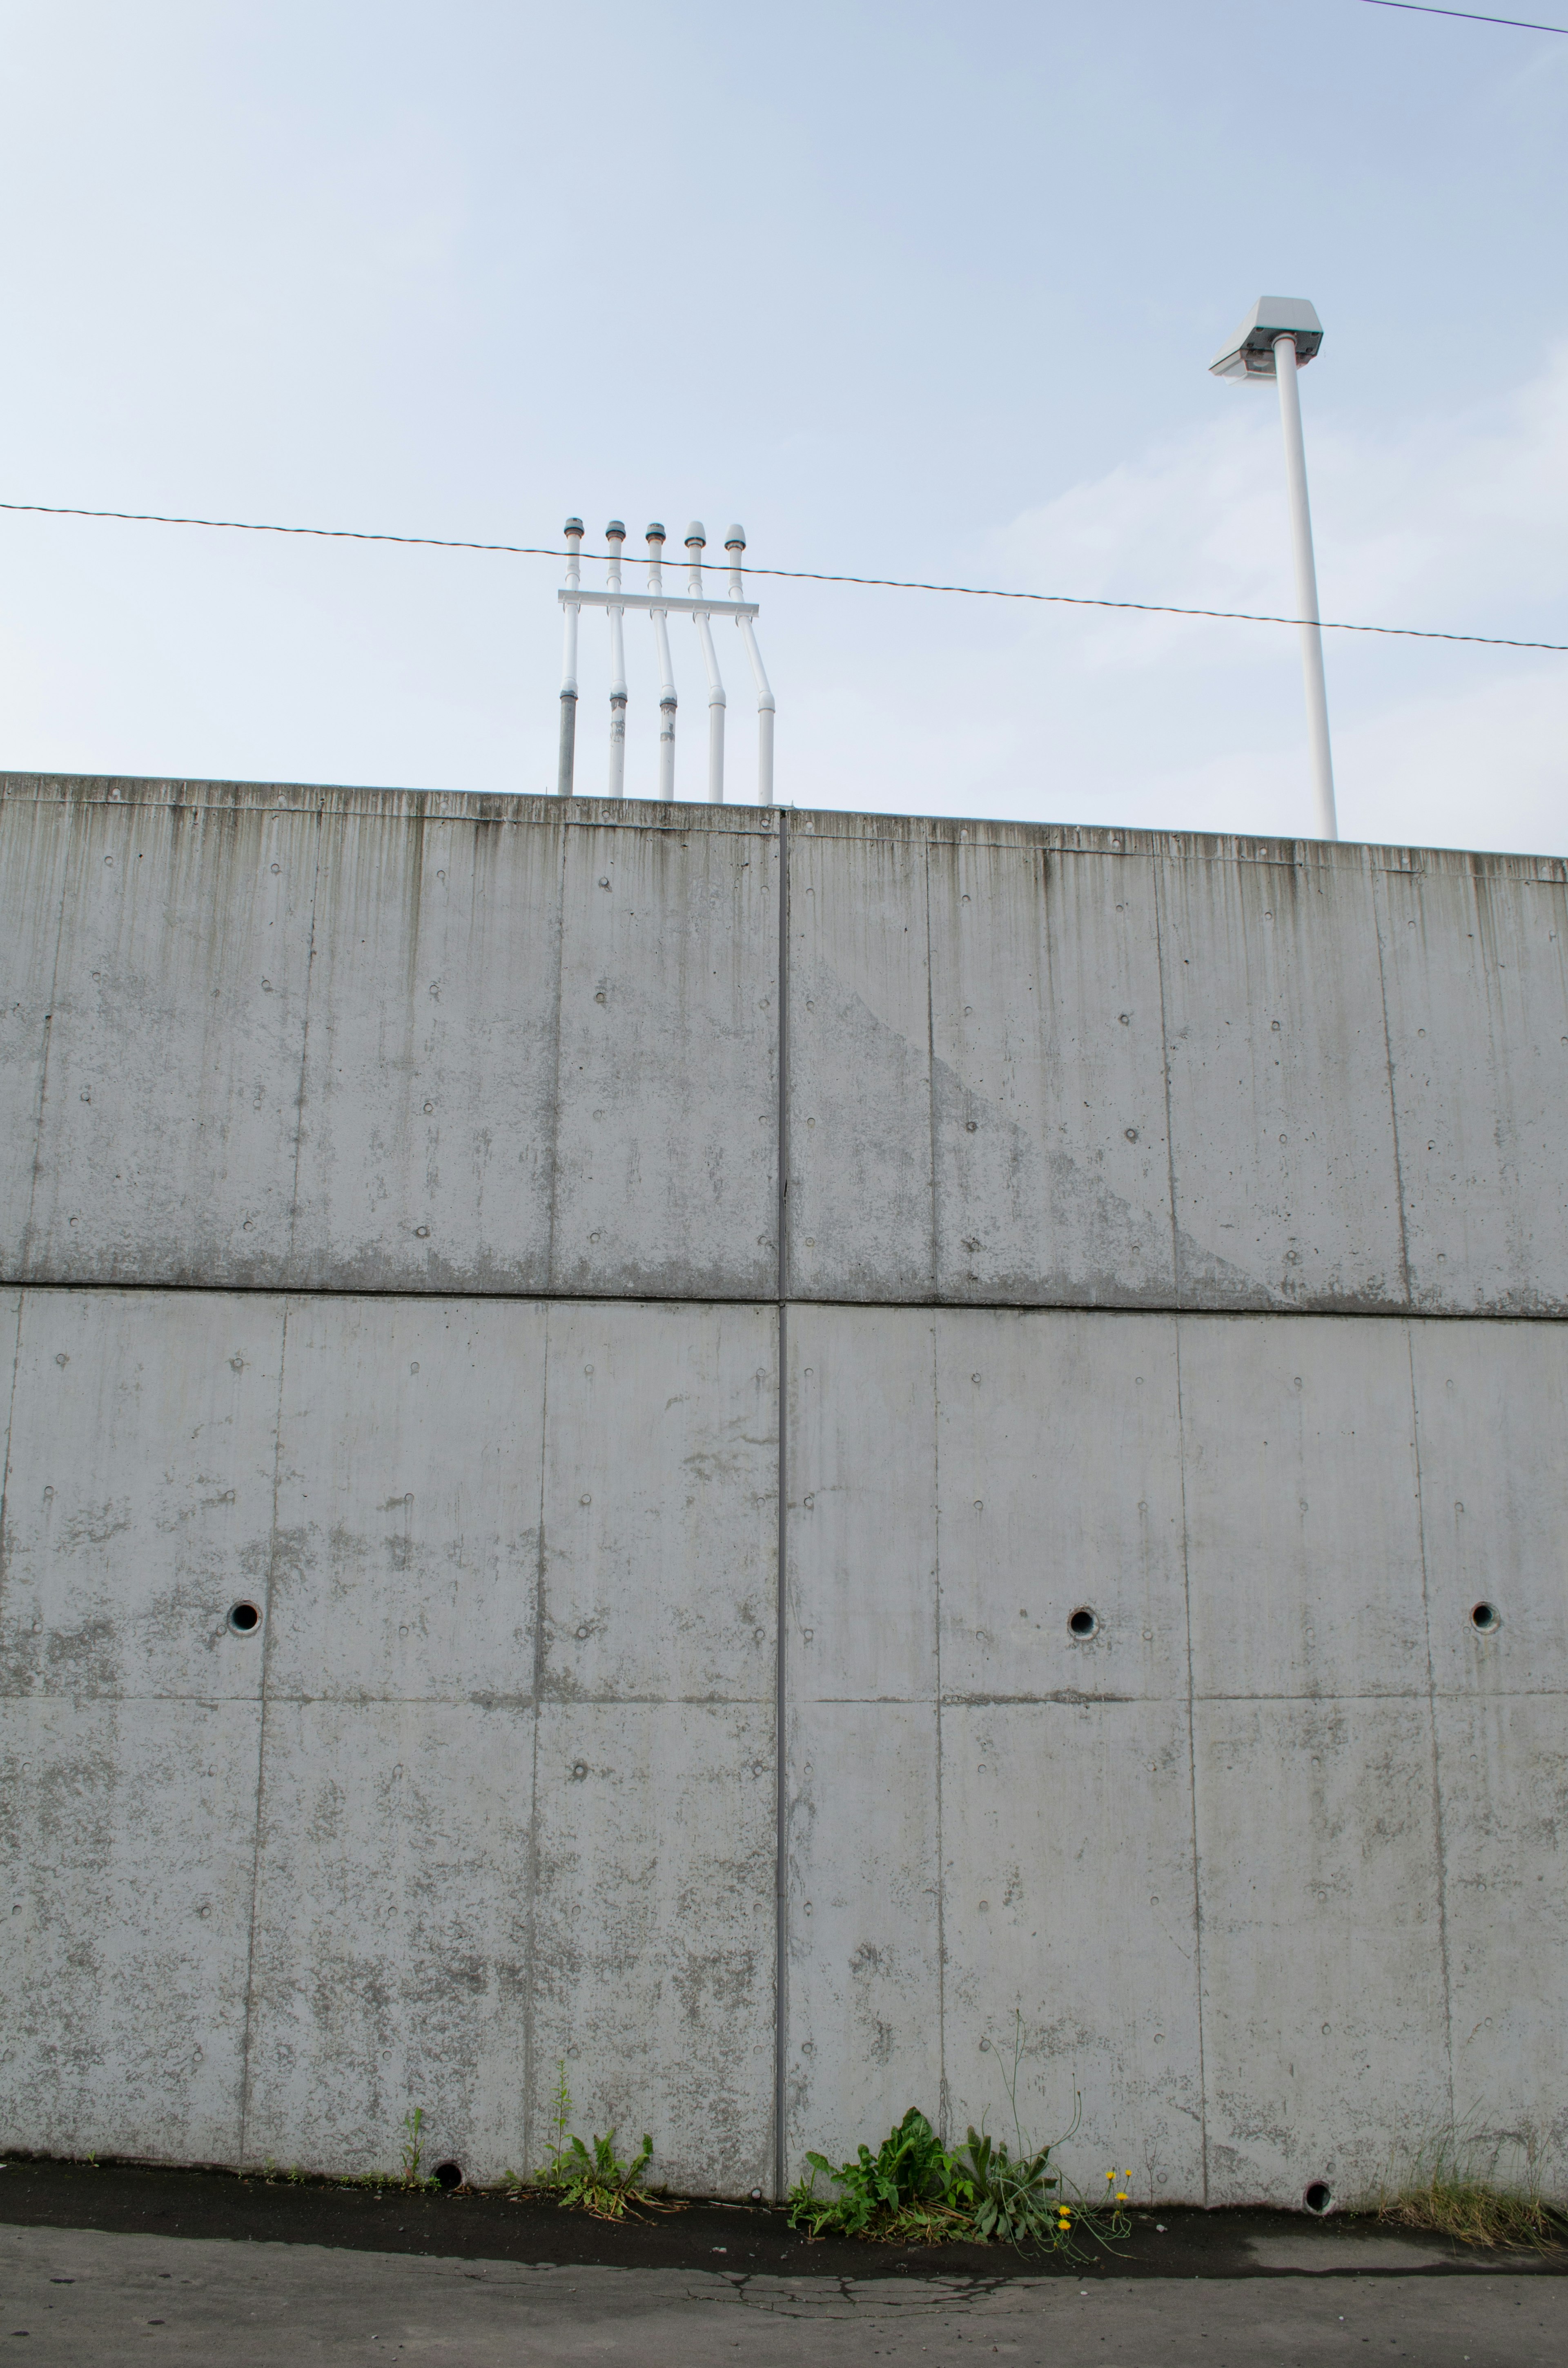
x=666 y=672
x=1306 y=587
x=696 y=543
x=734 y=543
x=615 y=535
x=568 y=756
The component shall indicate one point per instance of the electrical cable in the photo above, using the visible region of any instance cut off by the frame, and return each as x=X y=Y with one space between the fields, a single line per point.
x=801 y=576
x=1466 y=15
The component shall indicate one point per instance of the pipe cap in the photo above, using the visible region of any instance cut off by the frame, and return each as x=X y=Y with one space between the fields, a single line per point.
x=655 y=532
x=736 y=539
x=572 y=526
x=615 y=532
x=695 y=534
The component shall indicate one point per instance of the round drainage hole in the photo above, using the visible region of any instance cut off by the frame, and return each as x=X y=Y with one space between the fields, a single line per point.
x=1082 y=1621
x=448 y=2175
x=243 y=1618
x=1484 y=1616
x=1319 y=2198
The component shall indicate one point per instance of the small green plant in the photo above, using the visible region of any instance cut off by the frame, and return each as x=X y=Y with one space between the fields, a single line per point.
x=413 y=2145
x=1014 y=2199
x=560 y=2125
x=913 y=2191
x=1441 y=2186
x=591 y=2178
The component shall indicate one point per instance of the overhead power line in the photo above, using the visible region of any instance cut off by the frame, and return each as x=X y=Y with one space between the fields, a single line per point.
x=797 y=576
x=1466 y=15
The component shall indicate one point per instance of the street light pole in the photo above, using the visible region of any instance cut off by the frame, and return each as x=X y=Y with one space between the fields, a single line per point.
x=1277 y=336
x=1306 y=587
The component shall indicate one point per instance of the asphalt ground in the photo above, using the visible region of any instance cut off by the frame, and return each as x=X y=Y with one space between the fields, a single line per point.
x=120 y=2262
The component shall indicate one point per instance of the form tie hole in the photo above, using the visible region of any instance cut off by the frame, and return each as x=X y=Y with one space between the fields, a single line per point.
x=448 y=2175
x=1486 y=1617
x=243 y=1618
x=1084 y=1623
x=1319 y=2198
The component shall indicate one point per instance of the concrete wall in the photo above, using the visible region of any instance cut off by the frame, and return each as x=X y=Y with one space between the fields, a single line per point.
x=389 y=1223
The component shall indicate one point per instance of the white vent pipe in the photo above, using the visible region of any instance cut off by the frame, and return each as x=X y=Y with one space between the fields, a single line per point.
x=696 y=543
x=666 y=671
x=568 y=754
x=615 y=535
x=734 y=543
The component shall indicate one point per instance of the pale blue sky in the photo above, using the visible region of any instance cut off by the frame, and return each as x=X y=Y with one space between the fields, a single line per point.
x=912 y=290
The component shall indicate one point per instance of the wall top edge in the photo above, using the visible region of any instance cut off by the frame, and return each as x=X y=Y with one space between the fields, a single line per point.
x=641 y=814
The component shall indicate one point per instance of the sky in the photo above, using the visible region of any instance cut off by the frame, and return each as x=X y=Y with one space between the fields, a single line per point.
x=910 y=289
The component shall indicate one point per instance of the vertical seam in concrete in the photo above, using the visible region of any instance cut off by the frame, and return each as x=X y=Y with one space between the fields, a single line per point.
x=1393 y=1105
x=304 y=1048
x=1170 y=1140
x=553 y=1148
x=1438 y=1834
x=942 y=2111
x=261 y=1749
x=936 y=1519
x=934 y=1269
x=1192 y=1774
x=530 y=1939
x=27 y=1243
x=780 y=1688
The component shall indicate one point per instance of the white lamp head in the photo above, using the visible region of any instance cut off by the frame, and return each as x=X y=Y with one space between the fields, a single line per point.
x=1250 y=353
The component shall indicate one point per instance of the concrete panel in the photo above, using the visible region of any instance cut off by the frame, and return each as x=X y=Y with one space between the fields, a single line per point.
x=1281 y=1125
x=1492 y=1415
x=1060 y=1491
x=860 y=1203
x=863 y=2038
x=390 y=1966
x=862 y=1588
x=1502 y=1773
x=33 y=843
x=654 y=1935
x=1069 y=1901
x=660 y=1521
x=139 y=1503
x=863 y=2035
x=171 y=1106
x=1048 y=1078
x=127 y=1840
x=406 y=1560
x=426 y=1158
x=1324 y=2025
x=666 y=1166
x=1303 y=1517
x=1477 y=988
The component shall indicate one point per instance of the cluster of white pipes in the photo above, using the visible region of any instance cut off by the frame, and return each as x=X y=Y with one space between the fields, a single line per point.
x=701 y=608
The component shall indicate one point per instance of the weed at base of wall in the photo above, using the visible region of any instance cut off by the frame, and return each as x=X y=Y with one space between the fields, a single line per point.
x=912 y=2191
x=1449 y=2186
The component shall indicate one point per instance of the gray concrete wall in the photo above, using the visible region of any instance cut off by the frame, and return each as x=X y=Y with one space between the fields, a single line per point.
x=389 y=1207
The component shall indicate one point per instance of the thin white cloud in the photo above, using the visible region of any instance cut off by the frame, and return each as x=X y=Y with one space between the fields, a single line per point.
x=1463 y=510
